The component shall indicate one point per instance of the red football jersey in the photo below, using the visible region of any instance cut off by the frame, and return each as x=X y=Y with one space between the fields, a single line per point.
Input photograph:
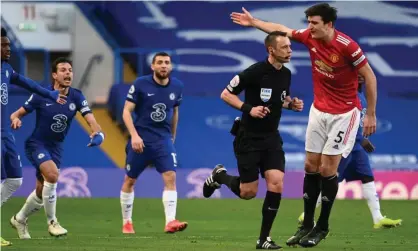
x=335 y=67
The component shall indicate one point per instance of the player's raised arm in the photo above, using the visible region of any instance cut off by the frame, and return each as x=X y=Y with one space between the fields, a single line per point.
x=246 y=19
x=33 y=86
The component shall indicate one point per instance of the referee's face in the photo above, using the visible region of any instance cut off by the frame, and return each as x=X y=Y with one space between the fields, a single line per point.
x=162 y=67
x=281 y=52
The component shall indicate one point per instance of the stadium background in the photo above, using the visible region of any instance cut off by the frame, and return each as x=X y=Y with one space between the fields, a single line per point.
x=111 y=43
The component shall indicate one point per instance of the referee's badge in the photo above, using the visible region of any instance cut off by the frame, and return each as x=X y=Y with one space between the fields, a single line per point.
x=265 y=94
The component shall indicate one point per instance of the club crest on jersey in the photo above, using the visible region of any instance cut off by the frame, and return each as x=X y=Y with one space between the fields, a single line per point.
x=334 y=58
x=41 y=156
x=72 y=106
x=265 y=94
x=172 y=96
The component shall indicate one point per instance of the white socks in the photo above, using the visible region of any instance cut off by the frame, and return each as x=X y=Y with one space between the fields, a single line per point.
x=170 y=205
x=33 y=204
x=127 y=204
x=8 y=187
x=370 y=194
x=49 y=197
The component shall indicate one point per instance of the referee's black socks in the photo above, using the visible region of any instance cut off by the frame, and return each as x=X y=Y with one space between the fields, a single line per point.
x=270 y=207
x=230 y=181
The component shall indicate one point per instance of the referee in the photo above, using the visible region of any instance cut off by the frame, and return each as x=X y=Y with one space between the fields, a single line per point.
x=257 y=143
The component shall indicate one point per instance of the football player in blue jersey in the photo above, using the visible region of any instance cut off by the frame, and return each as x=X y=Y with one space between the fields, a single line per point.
x=154 y=99
x=357 y=167
x=44 y=147
x=11 y=167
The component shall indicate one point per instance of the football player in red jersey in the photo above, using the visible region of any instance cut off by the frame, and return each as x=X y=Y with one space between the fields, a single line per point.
x=334 y=116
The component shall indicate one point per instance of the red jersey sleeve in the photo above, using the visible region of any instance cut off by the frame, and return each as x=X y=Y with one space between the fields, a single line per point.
x=355 y=55
x=301 y=35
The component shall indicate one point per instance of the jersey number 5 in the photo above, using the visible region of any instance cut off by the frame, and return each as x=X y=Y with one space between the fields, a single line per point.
x=61 y=123
x=339 y=137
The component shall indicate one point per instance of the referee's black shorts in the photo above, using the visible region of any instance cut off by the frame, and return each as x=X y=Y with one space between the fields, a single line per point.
x=257 y=153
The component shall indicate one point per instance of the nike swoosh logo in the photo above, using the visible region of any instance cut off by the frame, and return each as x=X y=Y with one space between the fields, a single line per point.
x=150 y=94
x=48 y=104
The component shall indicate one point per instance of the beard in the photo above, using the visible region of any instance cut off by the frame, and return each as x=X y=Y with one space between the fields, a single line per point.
x=162 y=76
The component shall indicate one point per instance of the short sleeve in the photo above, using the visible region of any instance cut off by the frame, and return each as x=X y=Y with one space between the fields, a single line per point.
x=83 y=105
x=355 y=55
x=241 y=81
x=133 y=93
x=179 y=98
x=32 y=103
x=301 y=36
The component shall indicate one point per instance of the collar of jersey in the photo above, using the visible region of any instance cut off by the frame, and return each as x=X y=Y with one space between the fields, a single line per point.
x=161 y=86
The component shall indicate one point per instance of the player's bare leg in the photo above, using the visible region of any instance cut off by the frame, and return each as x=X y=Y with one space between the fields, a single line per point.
x=170 y=204
x=50 y=174
x=32 y=205
x=127 y=197
x=274 y=180
x=311 y=191
x=329 y=189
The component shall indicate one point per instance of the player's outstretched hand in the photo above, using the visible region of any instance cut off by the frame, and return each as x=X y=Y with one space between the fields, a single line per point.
x=259 y=112
x=137 y=144
x=367 y=145
x=96 y=139
x=369 y=125
x=16 y=123
x=297 y=104
x=244 y=19
x=60 y=98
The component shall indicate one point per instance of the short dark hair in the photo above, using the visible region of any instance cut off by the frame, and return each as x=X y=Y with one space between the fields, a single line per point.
x=161 y=53
x=3 y=32
x=270 y=39
x=58 y=61
x=324 y=10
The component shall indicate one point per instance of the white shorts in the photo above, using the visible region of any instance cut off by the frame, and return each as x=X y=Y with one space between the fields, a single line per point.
x=332 y=134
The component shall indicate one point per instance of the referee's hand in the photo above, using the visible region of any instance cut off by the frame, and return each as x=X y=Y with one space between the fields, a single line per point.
x=259 y=112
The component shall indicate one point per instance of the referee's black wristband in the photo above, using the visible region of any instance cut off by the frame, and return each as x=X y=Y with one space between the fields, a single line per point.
x=246 y=108
x=290 y=105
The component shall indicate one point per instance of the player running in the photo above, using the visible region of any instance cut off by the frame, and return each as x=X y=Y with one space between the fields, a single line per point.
x=154 y=99
x=357 y=167
x=44 y=147
x=11 y=167
x=334 y=117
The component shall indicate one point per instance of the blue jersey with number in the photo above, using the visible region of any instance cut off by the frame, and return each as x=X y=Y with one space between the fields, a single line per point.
x=53 y=120
x=6 y=75
x=154 y=105
x=359 y=136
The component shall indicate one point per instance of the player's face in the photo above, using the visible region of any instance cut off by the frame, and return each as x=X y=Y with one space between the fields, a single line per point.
x=64 y=74
x=282 y=51
x=5 y=49
x=318 y=29
x=162 y=67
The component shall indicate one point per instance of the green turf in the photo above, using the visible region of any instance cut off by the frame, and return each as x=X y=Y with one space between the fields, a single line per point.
x=95 y=224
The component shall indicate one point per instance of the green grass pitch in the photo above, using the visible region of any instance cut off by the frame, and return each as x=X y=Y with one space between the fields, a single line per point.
x=95 y=224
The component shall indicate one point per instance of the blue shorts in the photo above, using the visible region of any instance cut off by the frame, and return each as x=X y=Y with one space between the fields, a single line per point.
x=38 y=152
x=11 y=166
x=355 y=166
x=161 y=154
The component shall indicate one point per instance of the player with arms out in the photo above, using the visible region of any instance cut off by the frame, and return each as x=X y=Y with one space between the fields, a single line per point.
x=155 y=100
x=44 y=147
x=357 y=167
x=11 y=167
x=258 y=144
x=334 y=116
